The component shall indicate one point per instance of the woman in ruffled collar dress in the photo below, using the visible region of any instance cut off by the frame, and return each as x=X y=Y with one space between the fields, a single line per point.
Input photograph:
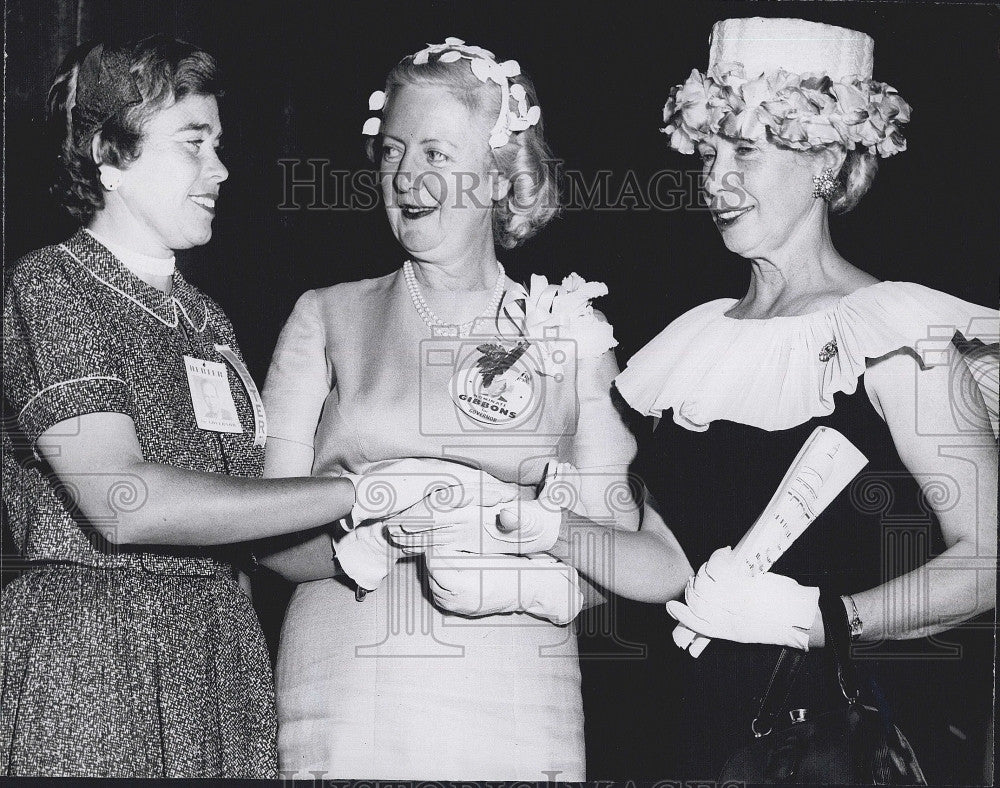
x=790 y=127
x=453 y=665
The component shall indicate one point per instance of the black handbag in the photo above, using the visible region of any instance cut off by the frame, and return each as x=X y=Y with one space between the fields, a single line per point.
x=855 y=744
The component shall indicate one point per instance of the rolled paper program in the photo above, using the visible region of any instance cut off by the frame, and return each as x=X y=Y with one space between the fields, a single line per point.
x=822 y=469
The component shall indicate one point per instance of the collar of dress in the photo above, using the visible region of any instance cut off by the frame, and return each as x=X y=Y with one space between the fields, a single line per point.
x=780 y=372
x=184 y=299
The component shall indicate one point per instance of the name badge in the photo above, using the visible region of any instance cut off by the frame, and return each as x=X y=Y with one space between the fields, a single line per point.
x=498 y=388
x=211 y=396
x=259 y=416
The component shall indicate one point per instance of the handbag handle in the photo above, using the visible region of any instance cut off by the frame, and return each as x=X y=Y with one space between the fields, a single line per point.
x=838 y=639
x=778 y=689
x=837 y=632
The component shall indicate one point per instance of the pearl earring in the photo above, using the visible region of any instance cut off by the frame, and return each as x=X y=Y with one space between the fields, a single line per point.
x=110 y=179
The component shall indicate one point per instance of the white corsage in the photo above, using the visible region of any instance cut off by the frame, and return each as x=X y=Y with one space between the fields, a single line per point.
x=548 y=314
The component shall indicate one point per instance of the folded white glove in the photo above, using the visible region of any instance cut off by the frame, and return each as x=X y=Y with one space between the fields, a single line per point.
x=474 y=585
x=393 y=486
x=533 y=525
x=366 y=556
x=724 y=601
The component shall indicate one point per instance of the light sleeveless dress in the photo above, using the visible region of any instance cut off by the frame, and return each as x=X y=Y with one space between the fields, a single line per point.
x=392 y=687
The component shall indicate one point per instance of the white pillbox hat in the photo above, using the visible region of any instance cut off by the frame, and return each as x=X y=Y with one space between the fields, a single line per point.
x=765 y=45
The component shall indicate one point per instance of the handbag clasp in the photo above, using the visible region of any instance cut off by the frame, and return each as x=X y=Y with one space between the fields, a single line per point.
x=759 y=734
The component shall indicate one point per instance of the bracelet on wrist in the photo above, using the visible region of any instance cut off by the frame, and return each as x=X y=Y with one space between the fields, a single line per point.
x=857 y=626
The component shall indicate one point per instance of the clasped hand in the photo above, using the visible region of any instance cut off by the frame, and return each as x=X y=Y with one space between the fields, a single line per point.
x=391 y=487
x=490 y=526
x=723 y=600
x=413 y=487
x=477 y=585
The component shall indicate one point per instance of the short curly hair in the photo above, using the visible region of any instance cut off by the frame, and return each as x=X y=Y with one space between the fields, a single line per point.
x=526 y=160
x=165 y=71
x=855 y=178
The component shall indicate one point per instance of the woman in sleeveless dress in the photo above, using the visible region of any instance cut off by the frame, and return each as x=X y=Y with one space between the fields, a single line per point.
x=789 y=126
x=453 y=664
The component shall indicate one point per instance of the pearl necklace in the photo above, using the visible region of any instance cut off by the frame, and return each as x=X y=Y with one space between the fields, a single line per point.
x=433 y=321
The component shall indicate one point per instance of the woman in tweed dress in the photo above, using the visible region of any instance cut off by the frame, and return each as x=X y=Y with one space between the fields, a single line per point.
x=128 y=648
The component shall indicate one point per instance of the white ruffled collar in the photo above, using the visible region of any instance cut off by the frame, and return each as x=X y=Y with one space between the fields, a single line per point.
x=779 y=372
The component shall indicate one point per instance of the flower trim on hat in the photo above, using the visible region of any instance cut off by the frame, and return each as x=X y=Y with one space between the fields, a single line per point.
x=486 y=68
x=801 y=111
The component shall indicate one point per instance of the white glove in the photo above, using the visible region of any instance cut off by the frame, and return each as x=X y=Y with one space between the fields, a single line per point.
x=475 y=585
x=724 y=601
x=533 y=525
x=366 y=556
x=395 y=485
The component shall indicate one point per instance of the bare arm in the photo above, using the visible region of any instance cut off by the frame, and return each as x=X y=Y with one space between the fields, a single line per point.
x=299 y=380
x=297 y=557
x=647 y=565
x=98 y=459
x=609 y=547
x=960 y=583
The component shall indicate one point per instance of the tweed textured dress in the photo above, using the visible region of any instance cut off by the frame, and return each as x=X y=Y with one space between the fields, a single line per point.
x=117 y=661
x=393 y=687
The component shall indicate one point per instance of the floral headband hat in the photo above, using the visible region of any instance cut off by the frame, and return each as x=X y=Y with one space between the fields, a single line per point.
x=486 y=68
x=806 y=84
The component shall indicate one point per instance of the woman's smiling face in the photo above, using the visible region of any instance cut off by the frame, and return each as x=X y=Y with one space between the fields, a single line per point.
x=437 y=173
x=169 y=191
x=760 y=194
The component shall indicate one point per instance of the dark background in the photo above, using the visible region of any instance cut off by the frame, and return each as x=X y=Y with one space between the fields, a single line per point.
x=298 y=75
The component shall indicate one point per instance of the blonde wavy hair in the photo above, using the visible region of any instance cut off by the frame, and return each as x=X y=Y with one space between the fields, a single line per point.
x=526 y=160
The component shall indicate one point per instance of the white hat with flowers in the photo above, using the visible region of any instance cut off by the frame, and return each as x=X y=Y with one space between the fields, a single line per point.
x=802 y=84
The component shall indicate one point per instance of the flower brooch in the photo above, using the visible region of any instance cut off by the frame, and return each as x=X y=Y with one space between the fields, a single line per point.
x=828 y=351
